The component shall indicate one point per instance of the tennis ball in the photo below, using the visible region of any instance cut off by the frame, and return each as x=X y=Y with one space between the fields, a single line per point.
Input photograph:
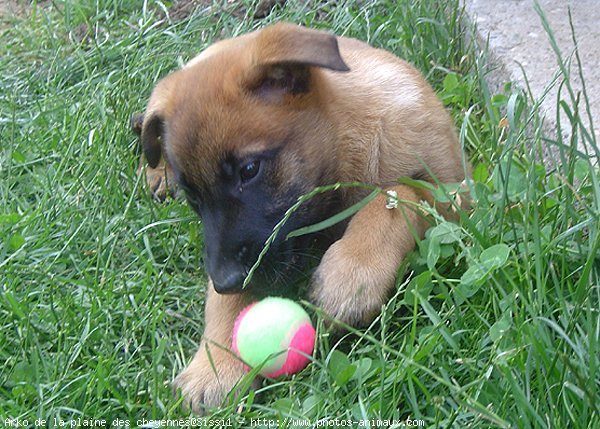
x=275 y=333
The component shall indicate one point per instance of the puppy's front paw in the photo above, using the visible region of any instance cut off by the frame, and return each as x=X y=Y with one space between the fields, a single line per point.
x=352 y=286
x=203 y=386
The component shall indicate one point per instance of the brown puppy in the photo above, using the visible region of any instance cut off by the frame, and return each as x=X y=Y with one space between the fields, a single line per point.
x=254 y=122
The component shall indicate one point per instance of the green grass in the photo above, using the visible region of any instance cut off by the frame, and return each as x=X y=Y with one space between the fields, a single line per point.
x=102 y=289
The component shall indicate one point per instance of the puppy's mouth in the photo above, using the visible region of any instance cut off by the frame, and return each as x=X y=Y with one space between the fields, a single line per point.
x=280 y=272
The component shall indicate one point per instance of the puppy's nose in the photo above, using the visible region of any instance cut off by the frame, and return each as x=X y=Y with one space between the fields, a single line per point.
x=231 y=283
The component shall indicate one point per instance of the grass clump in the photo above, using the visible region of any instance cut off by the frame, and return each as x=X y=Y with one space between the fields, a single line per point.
x=496 y=324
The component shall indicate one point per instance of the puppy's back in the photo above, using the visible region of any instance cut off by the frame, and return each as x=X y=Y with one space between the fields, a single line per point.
x=393 y=115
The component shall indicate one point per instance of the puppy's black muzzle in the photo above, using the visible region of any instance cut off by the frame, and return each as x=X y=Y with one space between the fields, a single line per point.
x=230 y=284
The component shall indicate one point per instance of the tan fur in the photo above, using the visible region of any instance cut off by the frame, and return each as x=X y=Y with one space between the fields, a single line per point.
x=159 y=180
x=375 y=123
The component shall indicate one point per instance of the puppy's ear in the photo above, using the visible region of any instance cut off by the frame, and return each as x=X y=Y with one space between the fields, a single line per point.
x=290 y=43
x=152 y=133
x=153 y=127
x=283 y=55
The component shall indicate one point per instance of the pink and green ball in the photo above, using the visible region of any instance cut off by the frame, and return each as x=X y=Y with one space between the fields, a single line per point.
x=276 y=333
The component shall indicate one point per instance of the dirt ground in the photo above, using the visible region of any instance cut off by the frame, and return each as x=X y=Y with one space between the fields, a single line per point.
x=8 y=7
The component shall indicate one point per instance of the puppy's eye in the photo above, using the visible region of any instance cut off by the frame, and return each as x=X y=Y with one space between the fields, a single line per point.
x=249 y=171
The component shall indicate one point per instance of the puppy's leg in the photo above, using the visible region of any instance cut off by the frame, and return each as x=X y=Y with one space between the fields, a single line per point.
x=160 y=181
x=200 y=382
x=358 y=271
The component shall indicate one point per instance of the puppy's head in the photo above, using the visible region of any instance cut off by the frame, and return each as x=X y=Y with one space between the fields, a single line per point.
x=246 y=130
